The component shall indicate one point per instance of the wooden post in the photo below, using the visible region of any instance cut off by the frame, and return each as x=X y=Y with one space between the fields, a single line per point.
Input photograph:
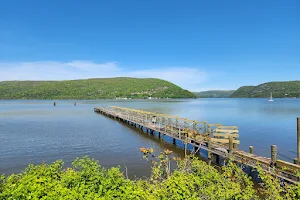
x=194 y=125
x=158 y=134
x=195 y=147
x=185 y=146
x=174 y=141
x=273 y=154
x=298 y=139
x=210 y=131
x=251 y=149
x=235 y=146
x=217 y=159
x=230 y=145
x=164 y=123
x=54 y=104
x=209 y=149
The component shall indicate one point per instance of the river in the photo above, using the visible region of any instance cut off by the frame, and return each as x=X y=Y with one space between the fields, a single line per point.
x=36 y=131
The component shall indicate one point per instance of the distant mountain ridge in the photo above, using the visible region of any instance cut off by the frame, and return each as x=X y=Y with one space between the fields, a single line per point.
x=214 y=94
x=98 y=88
x=279 y=90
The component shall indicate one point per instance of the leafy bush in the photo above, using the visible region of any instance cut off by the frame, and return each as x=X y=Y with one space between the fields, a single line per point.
x=192 y=179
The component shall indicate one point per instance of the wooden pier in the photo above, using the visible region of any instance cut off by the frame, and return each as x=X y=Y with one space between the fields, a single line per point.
x=220 y=142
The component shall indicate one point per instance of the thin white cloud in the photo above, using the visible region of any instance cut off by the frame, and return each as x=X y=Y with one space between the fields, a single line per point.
x=186 y=77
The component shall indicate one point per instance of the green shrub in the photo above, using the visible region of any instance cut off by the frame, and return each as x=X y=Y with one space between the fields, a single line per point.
x=192 y=179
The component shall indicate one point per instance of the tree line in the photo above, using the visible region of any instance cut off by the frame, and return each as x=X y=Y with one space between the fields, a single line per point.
x=106 y=88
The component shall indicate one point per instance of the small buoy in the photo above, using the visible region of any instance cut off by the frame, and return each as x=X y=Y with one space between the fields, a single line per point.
x=54 y=104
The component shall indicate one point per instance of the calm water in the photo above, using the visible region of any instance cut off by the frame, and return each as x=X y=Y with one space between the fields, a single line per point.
x=35 y=131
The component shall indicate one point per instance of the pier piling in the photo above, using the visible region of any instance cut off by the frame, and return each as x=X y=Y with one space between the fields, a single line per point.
x=230 y=145
x=298 y=139
x=251 y=150
x=209 y=149
x=273 y=154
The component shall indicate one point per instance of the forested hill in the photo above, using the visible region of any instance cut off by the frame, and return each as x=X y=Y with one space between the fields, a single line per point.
x=104 y=88
x=278 y=89
x=214 y=94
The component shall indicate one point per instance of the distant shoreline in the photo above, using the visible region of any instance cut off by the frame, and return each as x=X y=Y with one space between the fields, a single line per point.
x=170 y=99
x=248 y=98
x=93 y=99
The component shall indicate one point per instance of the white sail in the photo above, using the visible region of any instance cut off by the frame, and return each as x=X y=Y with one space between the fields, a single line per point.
x=271 y=98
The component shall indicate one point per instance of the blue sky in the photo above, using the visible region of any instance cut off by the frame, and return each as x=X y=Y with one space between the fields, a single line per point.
x=196 y=44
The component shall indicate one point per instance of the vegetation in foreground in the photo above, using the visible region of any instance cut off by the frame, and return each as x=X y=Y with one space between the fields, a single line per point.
x=102 y=88
x=279 y=90
x=193 y=179
x=214 y=94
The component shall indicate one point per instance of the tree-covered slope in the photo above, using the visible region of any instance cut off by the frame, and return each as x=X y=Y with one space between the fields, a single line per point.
x=278 y=89
x=92 y=89
x=191 y=179
x=214 y=94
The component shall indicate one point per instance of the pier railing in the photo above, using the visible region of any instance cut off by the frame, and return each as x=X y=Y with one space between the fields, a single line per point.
x=220 y=142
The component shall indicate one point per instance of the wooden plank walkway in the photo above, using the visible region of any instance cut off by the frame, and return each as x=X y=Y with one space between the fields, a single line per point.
x=217 y=142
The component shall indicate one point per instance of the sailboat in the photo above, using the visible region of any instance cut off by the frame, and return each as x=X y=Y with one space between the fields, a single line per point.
x=271 y=98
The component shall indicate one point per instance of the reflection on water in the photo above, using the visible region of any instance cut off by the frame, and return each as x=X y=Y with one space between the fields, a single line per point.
x=36 y=131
